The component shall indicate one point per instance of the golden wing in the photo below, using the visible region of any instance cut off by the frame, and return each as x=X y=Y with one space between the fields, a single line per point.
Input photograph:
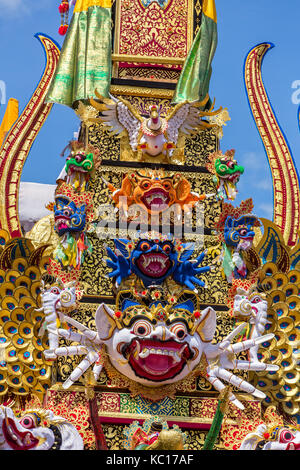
x=119 y=116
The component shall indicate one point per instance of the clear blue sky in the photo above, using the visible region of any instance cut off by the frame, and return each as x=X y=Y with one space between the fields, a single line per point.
x=242 y=25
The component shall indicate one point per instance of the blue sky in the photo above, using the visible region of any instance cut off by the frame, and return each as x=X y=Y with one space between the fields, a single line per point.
x=242 y=25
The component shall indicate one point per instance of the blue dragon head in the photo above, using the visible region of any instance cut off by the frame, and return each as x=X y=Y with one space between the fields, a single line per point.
x=239 y=233
x=68 y=216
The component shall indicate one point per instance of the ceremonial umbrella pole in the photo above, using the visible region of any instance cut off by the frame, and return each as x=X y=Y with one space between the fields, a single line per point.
x=215 y=428
x=93 y=411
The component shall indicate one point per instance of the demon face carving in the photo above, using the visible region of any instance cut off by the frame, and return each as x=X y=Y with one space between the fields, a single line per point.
x=73 y=214
x=155 y=344
x=68 y=217
x=80 y=161
x=278 y=437
x=226 y=173
x=159 y=340
x=37 y=430
x=154 y=192
x=236 y=231
x=239 y=232
x=153 y=260
x=80 y=164
x=238 y=236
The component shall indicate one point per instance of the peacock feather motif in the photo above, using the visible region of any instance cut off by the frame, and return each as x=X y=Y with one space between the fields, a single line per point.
x=280 y=281
x=23 y=368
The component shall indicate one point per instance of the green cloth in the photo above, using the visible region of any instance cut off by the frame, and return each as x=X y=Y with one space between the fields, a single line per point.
x=228 y=265
x=193 y=83
x=85 y=60
x=216 y=425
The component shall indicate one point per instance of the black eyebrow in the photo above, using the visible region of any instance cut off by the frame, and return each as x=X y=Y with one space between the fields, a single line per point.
x=141 y=317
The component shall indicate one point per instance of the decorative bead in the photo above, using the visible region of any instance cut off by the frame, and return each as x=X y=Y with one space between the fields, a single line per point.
x=63 y=7
x=63 y=29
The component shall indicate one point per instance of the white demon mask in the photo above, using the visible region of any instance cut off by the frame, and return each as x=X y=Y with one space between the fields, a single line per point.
x=160 y=343
x=154 y=352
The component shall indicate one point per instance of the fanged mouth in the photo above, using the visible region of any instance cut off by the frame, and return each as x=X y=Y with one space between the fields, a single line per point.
x=153 y=265
x=74 y=168
x=156 y=199
x=234 y=178
x=156 y=360
x=246 y=243
x=247 y=240
x=16 y=439
x=293 y=446
x=62 y=223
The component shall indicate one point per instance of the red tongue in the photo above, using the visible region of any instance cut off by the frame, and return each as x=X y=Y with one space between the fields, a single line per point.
x=63 y=226
x=157 y=202
x=155 y=267
x=159 y=363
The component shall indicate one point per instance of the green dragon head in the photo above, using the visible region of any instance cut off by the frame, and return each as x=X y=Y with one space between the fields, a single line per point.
x=80 y=164
x=227 y=167
x=80 y=161
x=226 y=172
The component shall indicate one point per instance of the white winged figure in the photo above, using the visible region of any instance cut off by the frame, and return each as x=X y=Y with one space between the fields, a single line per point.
x=154 y=135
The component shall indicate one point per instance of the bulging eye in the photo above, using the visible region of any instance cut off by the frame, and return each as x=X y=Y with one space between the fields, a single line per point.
x=243 y=232
x=55 y=291
x=145 y=246
x=286 y=436
x=28 y=422
x=78 y=158
x=142 y=328
x=167 y=249
x=230 y=164
x=179 y=330
x=167 y=185
x=256 y=300
x=145 y=185
x=67 y=212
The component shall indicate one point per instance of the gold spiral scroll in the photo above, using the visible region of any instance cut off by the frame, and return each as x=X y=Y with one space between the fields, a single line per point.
x=285 y=178
x=19 y=140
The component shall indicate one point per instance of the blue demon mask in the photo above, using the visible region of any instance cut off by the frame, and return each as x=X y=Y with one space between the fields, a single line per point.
x=68 y=217
x=240 y=231
x=153 y=261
